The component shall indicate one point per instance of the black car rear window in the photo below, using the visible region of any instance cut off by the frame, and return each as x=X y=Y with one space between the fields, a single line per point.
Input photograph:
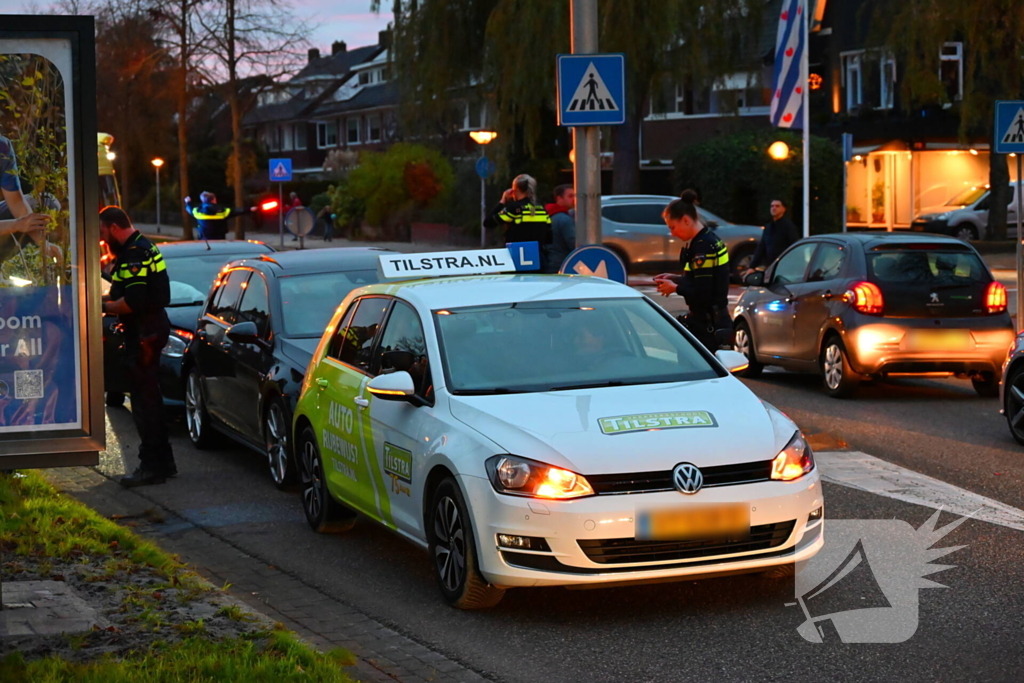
x=930 y=267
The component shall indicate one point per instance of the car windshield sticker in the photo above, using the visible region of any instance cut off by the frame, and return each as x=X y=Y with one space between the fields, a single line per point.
x=649 y=421
x=398 y=466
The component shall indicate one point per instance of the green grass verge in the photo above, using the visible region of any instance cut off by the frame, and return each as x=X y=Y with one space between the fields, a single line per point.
x=38 y=521
x=277 y=657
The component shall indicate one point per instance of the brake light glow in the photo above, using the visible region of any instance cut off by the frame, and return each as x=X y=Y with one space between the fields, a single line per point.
x=866 y=298
x=995 y=298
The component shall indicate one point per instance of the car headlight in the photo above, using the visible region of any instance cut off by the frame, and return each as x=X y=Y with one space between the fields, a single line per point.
x=794 y=461
x=521 y=477
x=942 y=216
x=177 y=343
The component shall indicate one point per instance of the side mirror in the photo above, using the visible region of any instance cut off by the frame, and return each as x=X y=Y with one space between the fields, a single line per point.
x=734 y=361
x=394 y=386
x=243 y=333
x=755 y=279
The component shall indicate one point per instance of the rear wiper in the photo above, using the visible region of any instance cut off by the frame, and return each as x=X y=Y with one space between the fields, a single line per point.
x=595 y=385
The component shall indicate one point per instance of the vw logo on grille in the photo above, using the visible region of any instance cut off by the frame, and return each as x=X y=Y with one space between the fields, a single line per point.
x=687 y=478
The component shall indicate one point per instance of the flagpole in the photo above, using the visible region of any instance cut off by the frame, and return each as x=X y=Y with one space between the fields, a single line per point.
x=804 y=71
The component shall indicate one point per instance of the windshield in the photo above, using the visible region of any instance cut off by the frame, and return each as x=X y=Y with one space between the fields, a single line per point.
x=192 y=275
x=931 y=268
x=706 y=217
x=968 y=196
x=559 y=345
x=308 y=301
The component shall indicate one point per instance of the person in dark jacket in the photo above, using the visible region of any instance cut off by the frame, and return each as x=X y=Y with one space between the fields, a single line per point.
x=778 y=236
x=563 y=226
x=212 y=217
x=523 y=218
x=705 y=279
x=140 y=291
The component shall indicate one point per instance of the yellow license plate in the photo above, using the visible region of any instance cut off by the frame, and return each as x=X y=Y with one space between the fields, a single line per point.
x=695 y=523
x=939 y=340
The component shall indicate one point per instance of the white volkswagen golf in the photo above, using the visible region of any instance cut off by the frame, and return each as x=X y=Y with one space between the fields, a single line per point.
x=547 y=430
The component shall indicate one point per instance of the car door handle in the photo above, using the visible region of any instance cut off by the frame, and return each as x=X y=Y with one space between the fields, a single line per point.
x=361 y=402
x=322 y=383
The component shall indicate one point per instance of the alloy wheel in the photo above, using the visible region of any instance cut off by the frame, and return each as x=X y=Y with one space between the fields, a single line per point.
x=743 y=342
x=833 y=366
x=276 y=432
x=965 y=234
x=194 y=408
x=311 y=481
x=450 y=545
x=1015 y=405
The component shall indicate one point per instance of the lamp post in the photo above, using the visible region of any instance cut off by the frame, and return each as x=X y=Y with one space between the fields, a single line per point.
x=157 y=163
x=483 y=138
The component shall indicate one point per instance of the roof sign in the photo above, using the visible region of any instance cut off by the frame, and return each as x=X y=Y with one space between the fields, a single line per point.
x=517 y=256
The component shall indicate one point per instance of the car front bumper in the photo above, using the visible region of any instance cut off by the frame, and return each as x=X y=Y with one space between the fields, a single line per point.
x=882 y=347
x=578 y=530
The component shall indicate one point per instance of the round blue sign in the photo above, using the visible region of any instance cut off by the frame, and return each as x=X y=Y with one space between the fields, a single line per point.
x=596 y=261
x=485 y=167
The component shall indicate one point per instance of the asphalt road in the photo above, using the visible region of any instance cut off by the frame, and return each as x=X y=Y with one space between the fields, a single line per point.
x=737 y=628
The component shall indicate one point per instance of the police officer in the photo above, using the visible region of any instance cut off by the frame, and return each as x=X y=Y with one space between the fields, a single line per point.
x=212 y=217
x=705 y=279
x=139 y=292
x=523 y=218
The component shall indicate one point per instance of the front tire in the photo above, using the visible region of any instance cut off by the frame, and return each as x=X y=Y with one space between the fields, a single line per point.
x=745 y=345
x=1014 y=407
x=277 y=439
x=838 y=377
x=323 y=513
x=965 y=232
x=453 y=552
x=196 y=418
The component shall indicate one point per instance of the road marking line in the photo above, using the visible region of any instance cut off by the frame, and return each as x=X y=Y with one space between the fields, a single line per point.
x=864 y=472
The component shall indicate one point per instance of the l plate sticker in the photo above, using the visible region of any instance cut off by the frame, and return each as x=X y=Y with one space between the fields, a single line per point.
x=643 y=422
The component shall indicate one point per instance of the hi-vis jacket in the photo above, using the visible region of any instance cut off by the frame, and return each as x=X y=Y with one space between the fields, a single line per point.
x=705 y=279
x=523 y=221
x=140 y=277
x=212 y=219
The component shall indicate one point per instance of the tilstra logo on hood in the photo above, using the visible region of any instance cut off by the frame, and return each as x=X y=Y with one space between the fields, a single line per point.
x=645 y=421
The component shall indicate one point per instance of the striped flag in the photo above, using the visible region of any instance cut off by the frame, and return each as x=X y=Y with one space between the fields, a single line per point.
x=790 y=67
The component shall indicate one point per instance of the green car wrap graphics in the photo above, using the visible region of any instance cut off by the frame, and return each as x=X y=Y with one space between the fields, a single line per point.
x=623 y=424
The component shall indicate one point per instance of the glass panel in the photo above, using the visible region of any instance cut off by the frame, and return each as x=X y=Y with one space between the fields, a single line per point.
x=255 y=306
x=573 y=344
x=792 y=267
x=224 y=306
x=309 y=301
x=358 y=343
x=828 y=263
x=404 y=347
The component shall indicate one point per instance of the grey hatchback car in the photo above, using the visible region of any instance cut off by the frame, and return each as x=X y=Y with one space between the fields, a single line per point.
x=868 y=305
x=632 y=226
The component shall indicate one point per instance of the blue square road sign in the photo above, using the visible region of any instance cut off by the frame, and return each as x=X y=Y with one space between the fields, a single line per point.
x=281 y=170
x=591 y=90
x=1009 y=131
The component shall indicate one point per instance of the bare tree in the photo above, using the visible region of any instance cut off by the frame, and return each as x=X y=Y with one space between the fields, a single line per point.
x=248 y=38
x=179 y=19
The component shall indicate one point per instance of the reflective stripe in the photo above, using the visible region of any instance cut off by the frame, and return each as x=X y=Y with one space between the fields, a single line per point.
x=211 y=216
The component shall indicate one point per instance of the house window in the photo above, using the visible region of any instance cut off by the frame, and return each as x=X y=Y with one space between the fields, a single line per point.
x=299 y=131
x=853 y=80
x=951 y=70
x=286 y=137
x=353 y=130
x=888 y=94
x=670 y=99
x=373 y=128
x=326 y=134
x=364 y=78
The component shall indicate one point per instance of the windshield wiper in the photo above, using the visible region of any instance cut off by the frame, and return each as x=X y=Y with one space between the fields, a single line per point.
x=485 y=392
x=595 y=385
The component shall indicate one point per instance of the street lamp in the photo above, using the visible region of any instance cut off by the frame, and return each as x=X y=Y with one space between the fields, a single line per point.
x=483 y=138
x=779 y=151
x=157 y=163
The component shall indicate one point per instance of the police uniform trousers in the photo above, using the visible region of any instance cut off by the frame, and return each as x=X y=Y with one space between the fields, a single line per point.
x=142 y=355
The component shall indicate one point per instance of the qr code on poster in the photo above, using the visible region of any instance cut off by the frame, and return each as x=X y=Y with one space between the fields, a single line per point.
x=28 y=384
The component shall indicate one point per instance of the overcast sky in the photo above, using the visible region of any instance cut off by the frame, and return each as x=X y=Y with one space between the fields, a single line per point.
x=348 y=20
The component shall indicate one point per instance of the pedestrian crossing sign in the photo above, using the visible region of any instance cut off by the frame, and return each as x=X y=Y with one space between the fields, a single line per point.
x=281 y=170
x=591 y=90
x=1009 y=131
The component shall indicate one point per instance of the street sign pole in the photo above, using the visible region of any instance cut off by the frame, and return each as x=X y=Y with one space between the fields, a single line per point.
x=585 y=139
x=280 y=212
x=483 y=205
x=847 y=158
x=1020 y=245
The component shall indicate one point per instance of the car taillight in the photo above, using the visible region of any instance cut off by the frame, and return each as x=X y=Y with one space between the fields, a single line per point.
x=995 y=298
x=866 y=298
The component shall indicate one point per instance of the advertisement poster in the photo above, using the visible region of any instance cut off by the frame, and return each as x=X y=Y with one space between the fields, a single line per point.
x=40 y=373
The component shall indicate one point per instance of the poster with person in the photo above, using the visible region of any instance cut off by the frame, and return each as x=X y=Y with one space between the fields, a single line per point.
x=40 y=359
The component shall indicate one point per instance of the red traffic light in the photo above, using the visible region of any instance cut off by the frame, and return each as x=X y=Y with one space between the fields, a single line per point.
x=269 y=205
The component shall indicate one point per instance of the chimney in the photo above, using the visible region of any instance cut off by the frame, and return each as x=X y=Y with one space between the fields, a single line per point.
x=314 y=54
x=384 y=39
x=338 y=46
